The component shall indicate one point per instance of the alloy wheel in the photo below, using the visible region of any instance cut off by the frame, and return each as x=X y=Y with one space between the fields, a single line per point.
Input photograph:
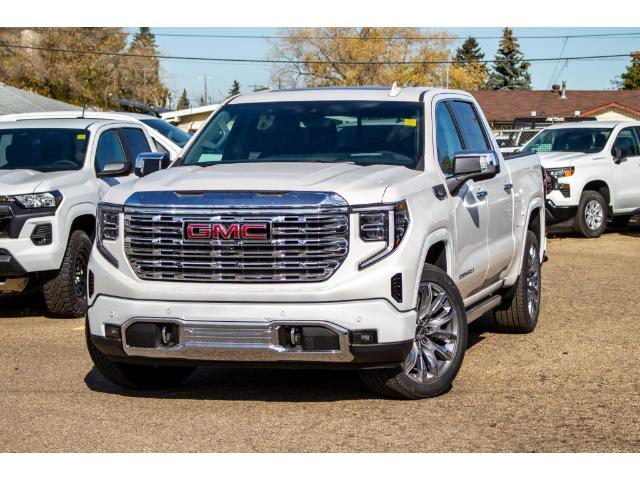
x=533 y=281
x=80 y=275
x=593 y=215
x=436 y=340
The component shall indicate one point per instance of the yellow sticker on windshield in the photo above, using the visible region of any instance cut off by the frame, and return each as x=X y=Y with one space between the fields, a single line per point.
x=410 y=122
x=81 y=136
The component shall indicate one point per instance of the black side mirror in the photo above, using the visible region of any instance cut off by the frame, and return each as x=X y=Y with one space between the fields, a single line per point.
x=471 y=166
x=618 y=155
x=114 y=169
x=147 y=163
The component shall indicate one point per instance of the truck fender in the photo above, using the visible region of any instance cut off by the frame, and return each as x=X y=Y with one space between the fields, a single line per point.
x=514 y=271
x=440 y=235
x=85 y=208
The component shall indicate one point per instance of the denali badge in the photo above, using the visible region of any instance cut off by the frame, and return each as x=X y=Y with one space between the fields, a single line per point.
x=226 y=231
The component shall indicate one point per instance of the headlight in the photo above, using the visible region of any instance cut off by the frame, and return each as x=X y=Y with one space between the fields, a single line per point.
x=108 y=228
x=560 y=172
x=39 y=200
x=382 y=223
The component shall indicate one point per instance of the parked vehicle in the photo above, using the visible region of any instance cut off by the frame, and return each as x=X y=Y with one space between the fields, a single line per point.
x=52 y=173
x=165 y=137
x=319 y=228
x=594 y=173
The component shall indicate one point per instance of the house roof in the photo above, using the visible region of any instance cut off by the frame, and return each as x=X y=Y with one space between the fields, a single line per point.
x=15 y=100
x=505 y=106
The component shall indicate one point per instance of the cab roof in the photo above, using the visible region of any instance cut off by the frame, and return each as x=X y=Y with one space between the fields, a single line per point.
x=71 y=123
x=593 y=124
x=373 y=93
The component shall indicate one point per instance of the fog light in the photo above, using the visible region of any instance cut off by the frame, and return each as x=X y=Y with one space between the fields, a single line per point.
x=364 y=337
x=112 y=332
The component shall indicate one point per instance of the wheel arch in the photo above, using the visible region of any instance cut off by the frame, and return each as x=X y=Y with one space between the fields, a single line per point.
x=437 y=246
x=600 y=186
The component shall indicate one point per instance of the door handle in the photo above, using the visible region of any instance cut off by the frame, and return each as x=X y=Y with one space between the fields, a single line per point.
x=481 y=194
x=508 y=187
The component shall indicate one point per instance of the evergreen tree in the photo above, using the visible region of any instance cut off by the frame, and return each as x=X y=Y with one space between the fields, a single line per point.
x=235 y=88
x=631 y=78
x=469 y=52
x=145 y=70
x=509 y=71
x=183 y=101
x=469 y=72
x=201 y=102
x=144 y=37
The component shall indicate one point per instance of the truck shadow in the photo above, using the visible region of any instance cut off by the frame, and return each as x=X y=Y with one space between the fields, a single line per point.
x=245 y=384
x=27 y=304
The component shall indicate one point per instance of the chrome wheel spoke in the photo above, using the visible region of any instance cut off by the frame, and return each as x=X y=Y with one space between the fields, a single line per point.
x=436 y=335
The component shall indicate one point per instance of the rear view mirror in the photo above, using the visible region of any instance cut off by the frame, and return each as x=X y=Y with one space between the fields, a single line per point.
x=147 y=163
x=114 y=169
x=471 y=166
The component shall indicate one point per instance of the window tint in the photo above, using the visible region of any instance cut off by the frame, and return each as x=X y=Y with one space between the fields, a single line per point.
x=362 y=132
x=447 y=139
x=109 y=150
x=43 y=149
x=470 y=127
x=135 y=142
x=627 y=142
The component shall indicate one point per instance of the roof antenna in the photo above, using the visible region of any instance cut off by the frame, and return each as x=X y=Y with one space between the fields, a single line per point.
x=83 y=107
x=395 y=90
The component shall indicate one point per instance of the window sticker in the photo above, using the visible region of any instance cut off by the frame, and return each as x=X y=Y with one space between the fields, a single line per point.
x=410 y=122
x=81 y=136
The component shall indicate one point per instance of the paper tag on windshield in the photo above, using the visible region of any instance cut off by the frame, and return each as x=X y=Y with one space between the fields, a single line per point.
x=410 y=122
x=81 y=136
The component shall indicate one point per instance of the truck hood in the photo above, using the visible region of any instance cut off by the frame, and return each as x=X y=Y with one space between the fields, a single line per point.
x=356 y=184
x=15 y=182
x=564 y=159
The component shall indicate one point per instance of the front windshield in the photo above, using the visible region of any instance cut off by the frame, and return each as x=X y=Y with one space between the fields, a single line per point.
x=585 y=140
x=43 y=149
x=362 y=132
x=173 y=133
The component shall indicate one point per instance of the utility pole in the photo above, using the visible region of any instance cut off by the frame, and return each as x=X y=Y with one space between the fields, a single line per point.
x=206 y=94
x=448 y=60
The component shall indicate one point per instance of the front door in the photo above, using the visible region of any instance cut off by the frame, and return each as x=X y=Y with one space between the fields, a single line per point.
x=469 y=208
x=626 y=193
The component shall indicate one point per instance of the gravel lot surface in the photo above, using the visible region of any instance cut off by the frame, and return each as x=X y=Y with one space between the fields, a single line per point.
x=572 y=385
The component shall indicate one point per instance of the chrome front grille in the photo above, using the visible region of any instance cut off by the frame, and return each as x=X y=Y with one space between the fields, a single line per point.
x=305 y=245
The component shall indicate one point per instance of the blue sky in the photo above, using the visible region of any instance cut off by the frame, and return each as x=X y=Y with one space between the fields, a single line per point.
x=582 y=75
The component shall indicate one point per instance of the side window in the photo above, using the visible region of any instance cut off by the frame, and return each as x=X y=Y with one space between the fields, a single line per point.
x=159 y=146
x=471 y=129
x=135 y=142
x=447 y=139
x=109 y=150
x=627 y=142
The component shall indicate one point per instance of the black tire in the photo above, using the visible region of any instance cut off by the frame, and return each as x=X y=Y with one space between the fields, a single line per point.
x=66 y=293
x=136 y=377
x=621 y=221
x=513 y=314
x=401 y=384
x=580 y=224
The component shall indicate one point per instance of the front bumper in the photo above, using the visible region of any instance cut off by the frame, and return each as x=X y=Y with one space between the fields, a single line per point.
x=560 y=215
x=251 y=333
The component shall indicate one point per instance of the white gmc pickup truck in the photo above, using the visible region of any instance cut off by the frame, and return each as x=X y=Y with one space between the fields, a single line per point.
x=593 y=173
x=338 y=227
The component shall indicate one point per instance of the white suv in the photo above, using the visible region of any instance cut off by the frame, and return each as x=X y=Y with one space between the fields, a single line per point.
x=52 y=173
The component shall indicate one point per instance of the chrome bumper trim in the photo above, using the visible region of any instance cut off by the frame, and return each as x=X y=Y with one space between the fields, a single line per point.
x=237 y=341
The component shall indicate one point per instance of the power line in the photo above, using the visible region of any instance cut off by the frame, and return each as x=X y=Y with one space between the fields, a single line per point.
x=300 y=62
x=353 y=37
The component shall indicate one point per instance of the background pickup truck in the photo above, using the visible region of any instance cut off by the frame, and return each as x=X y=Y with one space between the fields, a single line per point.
x=593 y=173
x=52 y=172
x=319 y=228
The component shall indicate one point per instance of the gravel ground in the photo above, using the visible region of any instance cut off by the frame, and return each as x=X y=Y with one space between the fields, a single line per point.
x=572 y=385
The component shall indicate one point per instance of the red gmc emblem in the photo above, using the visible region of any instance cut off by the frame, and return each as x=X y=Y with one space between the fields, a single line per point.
x=226 y=231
